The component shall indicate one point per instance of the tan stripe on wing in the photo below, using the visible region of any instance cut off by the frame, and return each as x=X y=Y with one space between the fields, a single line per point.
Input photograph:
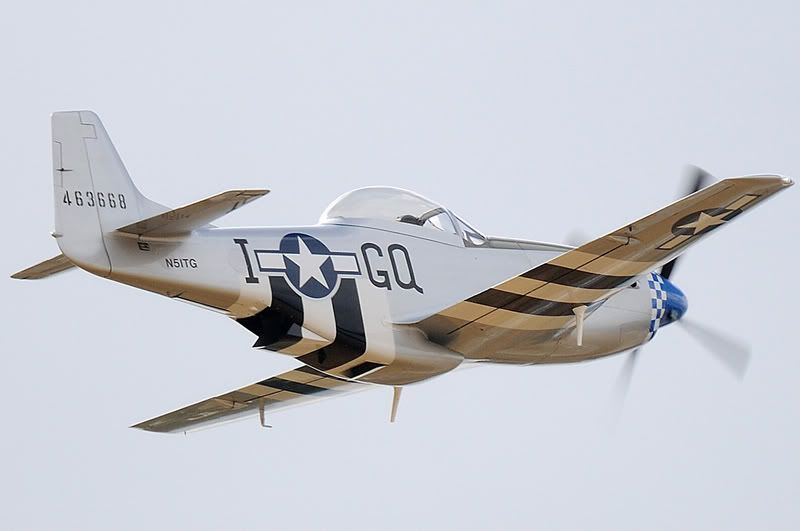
x=553 y=292
x=470 y=311
x=317 y=380
x=300 y=376
x=519 y=321
x=328 y=383
x=259 y=390
x=601 y=265
x=466 y=311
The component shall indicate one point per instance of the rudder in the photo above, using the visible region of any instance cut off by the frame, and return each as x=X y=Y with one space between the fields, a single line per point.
x=94 y=194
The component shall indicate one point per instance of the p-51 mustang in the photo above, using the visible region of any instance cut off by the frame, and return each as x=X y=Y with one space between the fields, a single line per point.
x=389 y=288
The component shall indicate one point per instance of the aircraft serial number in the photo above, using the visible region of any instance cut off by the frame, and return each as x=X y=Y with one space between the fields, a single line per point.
x=91 y=199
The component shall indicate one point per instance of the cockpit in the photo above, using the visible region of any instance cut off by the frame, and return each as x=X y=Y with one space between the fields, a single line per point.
x=387 y=205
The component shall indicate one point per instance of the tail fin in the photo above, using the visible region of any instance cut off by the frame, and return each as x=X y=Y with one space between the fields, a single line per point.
x=94 y=194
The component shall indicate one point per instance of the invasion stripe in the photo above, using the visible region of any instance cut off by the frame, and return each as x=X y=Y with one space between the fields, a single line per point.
x=601 y=265
x=286 y=342
x=553 y=292
x=244 y=397
x=279 y=389
x=311 y=370
x=351 y=340
x=362 y=368
x=518 y=321
x=272 y=324
x=573 y=278
x=301 y=376
x=286 y=300
x=294 y=387
x=521 y=303
x=329 y=383
x=304 y=346
x=278 y=394
x=260 y=390
x=306 y=374
x=469 y=312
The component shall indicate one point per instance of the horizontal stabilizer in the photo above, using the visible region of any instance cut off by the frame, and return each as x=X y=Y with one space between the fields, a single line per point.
x=194 y=216
x=57 y=264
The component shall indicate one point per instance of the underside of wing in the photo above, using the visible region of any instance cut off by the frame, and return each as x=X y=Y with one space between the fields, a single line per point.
x=540 y=304
x=190 y=217
x=298 y=386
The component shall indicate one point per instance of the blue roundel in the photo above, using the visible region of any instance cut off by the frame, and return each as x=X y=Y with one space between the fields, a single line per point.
x=309 y=266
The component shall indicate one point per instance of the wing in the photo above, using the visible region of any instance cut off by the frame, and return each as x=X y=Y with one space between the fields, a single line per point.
x=57 y=264
x=538 y=304
x=193 y=216
x=298 y=386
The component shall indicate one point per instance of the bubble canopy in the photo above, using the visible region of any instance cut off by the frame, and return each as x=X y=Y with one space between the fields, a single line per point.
x=384 y=203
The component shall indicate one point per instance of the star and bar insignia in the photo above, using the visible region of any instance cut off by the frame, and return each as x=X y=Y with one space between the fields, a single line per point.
x=312 y=269
x=703 y=221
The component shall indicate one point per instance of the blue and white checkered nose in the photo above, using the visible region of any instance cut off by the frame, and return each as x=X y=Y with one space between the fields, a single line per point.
x=675 y=305
x=667 y=302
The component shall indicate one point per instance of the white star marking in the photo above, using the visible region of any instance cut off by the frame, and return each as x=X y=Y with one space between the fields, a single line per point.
x=310 y=264
x=704 y=221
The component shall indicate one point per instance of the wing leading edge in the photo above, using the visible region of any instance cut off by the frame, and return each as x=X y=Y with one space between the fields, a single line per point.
x=296 y=387
x=538 y=304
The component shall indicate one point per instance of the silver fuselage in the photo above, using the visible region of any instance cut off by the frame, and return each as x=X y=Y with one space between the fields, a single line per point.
x=402 y=274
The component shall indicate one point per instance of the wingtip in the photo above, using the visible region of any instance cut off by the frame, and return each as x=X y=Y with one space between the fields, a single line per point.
x=787 y=181
x=144 y=426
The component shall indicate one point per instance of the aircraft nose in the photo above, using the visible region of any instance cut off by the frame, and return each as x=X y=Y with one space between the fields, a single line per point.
x=675 y=305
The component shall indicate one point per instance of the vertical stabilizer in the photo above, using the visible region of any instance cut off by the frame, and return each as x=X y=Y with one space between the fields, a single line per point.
x=94 y=194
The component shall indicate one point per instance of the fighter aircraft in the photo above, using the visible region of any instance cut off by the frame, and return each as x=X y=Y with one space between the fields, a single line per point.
x=387 y=289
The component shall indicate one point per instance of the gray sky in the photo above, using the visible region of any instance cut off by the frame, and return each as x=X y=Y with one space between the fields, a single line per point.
x=528 y=120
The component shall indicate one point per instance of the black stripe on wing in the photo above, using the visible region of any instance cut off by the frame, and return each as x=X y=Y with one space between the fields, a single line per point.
x=574 y=278
x=514 y=302
x=294 y=387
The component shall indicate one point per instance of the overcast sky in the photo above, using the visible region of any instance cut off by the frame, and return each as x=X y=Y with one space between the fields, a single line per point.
x=530 y=121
